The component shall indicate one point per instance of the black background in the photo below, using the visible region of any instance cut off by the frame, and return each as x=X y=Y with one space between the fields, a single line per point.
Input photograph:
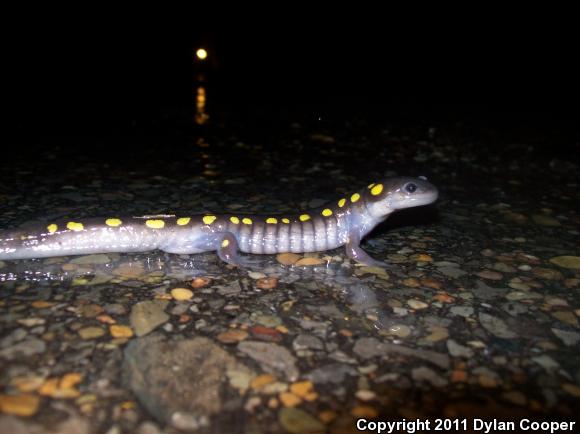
x=93 y=75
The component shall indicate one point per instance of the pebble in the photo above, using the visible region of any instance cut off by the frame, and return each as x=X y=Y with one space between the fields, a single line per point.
x=289 y=399
x=297 y=421
x=271 y=357
x=256 y=275
x=417 y=304
x=491 y=275
x=232 y=336
x=305 y=262
x=121 y=331
x=267 y=283
x=148 y=315
x=91 y=259
x=200 y=282
x=365 y=395
x=91 y=332
x=19 y=405
x=364 y=411
x=400 y=330
x=181 y=294
x=571 y=262
x=496 y=326
x=288 y=258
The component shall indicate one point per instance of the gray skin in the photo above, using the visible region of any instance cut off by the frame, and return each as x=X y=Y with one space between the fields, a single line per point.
x=227 y=234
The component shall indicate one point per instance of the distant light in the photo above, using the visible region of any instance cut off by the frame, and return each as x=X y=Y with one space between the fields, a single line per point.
x=201 y=54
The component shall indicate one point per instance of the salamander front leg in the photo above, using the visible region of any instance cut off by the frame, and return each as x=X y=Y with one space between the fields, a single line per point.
x=228 y=251
x=354 y=251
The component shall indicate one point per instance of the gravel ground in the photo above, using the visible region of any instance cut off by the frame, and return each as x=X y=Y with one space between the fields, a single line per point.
x=476 y=316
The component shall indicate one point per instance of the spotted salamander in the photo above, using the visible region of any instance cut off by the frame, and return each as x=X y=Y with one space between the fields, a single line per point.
x=344 y=222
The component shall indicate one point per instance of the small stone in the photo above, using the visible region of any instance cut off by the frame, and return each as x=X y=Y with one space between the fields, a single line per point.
x=131 y=270
x=496 y=326
x=566 y=316
x=266 y=334
x=262 y=381
x=547 y=273
x=200 y=282
x=121 y=331
x=515 y=397
x=421 y=257
x=289 y=399
x=232 y=336
x=91 y=332
x=365 y=395
x=411 y=282
x=180 y=294
x=417 y=304
x=303 y=389
x=41 y=304
x=288 y=258
x=363 y=411
x=572 y=262
x=304 y=262
x=491 y=275
x=91 y=260
x=431 y=283
x=443 y=297
x=256 y=275
x=19 y=405
x=327 y=416
x=464 y=311
x=297 y=421
x=27 y=384
x=148 y=315
x=545 y=220
x=457 y=350
x=572 y=389
x=569 y=338
x=400 y=330
x=267 y=283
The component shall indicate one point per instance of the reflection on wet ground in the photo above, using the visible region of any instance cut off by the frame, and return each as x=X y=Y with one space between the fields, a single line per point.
x=475 y=316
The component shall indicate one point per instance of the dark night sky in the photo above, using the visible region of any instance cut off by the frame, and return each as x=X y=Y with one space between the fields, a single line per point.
x=99 y=76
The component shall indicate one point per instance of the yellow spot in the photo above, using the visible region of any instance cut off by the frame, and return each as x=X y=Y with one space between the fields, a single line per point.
x=225 y=243
x=247 y=221
x=74 y=226
x=371 y=185
x=304 y=217
x=209 y=219
x=183 y=221
x=113 y=222
x=355 y=197
x=341 y=202
x=377 y=189
x=52 y=228
x=285 y=220
x=155 y=224
x=235 y=220
x=326 y=212
x=272 y=220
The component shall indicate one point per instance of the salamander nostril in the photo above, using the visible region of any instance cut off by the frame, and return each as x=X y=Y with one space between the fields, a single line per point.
x=411 y=188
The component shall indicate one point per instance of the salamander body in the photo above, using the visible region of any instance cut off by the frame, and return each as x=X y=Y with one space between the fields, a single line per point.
x=343 y=222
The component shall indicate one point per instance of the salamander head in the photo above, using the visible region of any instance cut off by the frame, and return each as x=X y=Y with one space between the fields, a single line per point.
x=398 y=193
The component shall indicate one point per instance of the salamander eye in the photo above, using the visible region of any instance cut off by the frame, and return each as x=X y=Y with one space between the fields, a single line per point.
x=410 y=187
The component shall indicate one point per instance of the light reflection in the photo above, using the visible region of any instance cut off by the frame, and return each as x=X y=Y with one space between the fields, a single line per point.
x=201 y=116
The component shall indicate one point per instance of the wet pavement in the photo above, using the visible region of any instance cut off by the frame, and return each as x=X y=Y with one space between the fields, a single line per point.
x=476 y=315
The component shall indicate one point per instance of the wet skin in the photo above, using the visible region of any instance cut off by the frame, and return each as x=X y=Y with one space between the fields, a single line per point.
x=342 y=223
